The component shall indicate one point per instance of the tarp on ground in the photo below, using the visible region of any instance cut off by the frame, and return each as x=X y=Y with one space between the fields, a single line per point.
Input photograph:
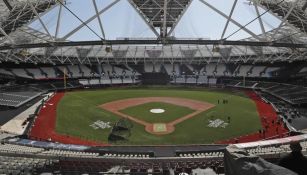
x=240 y=162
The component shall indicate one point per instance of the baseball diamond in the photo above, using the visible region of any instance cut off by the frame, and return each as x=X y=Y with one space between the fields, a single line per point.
x=198 y=107
x=186 y=119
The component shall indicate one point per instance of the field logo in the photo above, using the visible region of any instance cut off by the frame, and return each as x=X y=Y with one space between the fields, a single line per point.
x=100 y=125
x=217 y=123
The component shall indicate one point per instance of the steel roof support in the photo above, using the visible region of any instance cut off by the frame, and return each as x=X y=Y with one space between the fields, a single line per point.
x=90 y=19
x=164 y=27
x=232 y=20
x=40 y=20
x=305 y=6
x=143 y=17
x=285 y=18
x=99 y=19
x=278 y=17
x=179 y=19
x=43 y=13
x=229 y=17
x=6 y=35
x=260 y=18
x=58 y=24
x=153 y=42
x=8 y=5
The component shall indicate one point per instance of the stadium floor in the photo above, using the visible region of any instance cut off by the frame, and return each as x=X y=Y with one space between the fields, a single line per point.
x=44 y=127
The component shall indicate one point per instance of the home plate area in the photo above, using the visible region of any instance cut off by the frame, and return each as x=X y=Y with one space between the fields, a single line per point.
x=159 y=127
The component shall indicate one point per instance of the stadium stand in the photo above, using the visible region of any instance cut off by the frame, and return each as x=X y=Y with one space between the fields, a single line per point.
x=44 y=57
x=17 y=96
x=65 y=161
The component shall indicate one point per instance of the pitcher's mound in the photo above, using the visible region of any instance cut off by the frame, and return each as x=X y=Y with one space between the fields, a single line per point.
x=157 y=111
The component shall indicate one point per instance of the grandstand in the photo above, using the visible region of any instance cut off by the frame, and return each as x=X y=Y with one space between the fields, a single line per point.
x=242 y=63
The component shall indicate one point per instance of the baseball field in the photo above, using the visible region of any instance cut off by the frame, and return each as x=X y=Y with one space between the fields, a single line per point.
x=157 y=115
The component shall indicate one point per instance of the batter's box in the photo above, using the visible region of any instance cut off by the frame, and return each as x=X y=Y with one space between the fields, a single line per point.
x=159 y=127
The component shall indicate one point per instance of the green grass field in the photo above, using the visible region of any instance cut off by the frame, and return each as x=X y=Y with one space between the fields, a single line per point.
x=78 y=110
x=171 y=113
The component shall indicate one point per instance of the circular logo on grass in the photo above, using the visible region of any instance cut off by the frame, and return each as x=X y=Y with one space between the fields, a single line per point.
x=157 y=111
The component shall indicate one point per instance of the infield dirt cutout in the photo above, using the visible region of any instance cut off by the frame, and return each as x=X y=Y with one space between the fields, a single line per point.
x=157 y=128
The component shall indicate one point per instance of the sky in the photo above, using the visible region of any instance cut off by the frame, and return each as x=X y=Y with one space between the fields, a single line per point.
x=122 y=21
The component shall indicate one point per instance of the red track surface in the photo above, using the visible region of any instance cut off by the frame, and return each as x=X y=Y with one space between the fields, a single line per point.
x=44 y=126
x=267 y=114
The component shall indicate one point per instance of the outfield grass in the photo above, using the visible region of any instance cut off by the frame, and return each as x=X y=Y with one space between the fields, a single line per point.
x=78 y=110
x=172 y=112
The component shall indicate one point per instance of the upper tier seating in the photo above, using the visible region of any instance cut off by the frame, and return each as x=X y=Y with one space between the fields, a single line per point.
x=107 y=69
x=50 y=72
x=21 y=73
x=256 y=71
x=3 y=71
x=269 y=71
x=74 y=69
x=148 y=67
x=83 y=71
x=244 y=69
x=210 y=70
x=37 y=74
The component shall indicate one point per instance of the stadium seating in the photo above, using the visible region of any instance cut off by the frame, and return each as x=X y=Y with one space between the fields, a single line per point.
x=256 y=71
x=291 y=93
x=210 y=70
x=37 y=74
x=221 y=70
x=74 y=69
x=21 y=73
x=63 y=161
x=83 y=71
x=148 y=67
x=107 y=69
x=20 y=165
x=17 y=97
x=50 y=73
x=5 y=72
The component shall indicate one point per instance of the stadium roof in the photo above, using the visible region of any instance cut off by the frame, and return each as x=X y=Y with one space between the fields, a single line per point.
x=121 y=31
